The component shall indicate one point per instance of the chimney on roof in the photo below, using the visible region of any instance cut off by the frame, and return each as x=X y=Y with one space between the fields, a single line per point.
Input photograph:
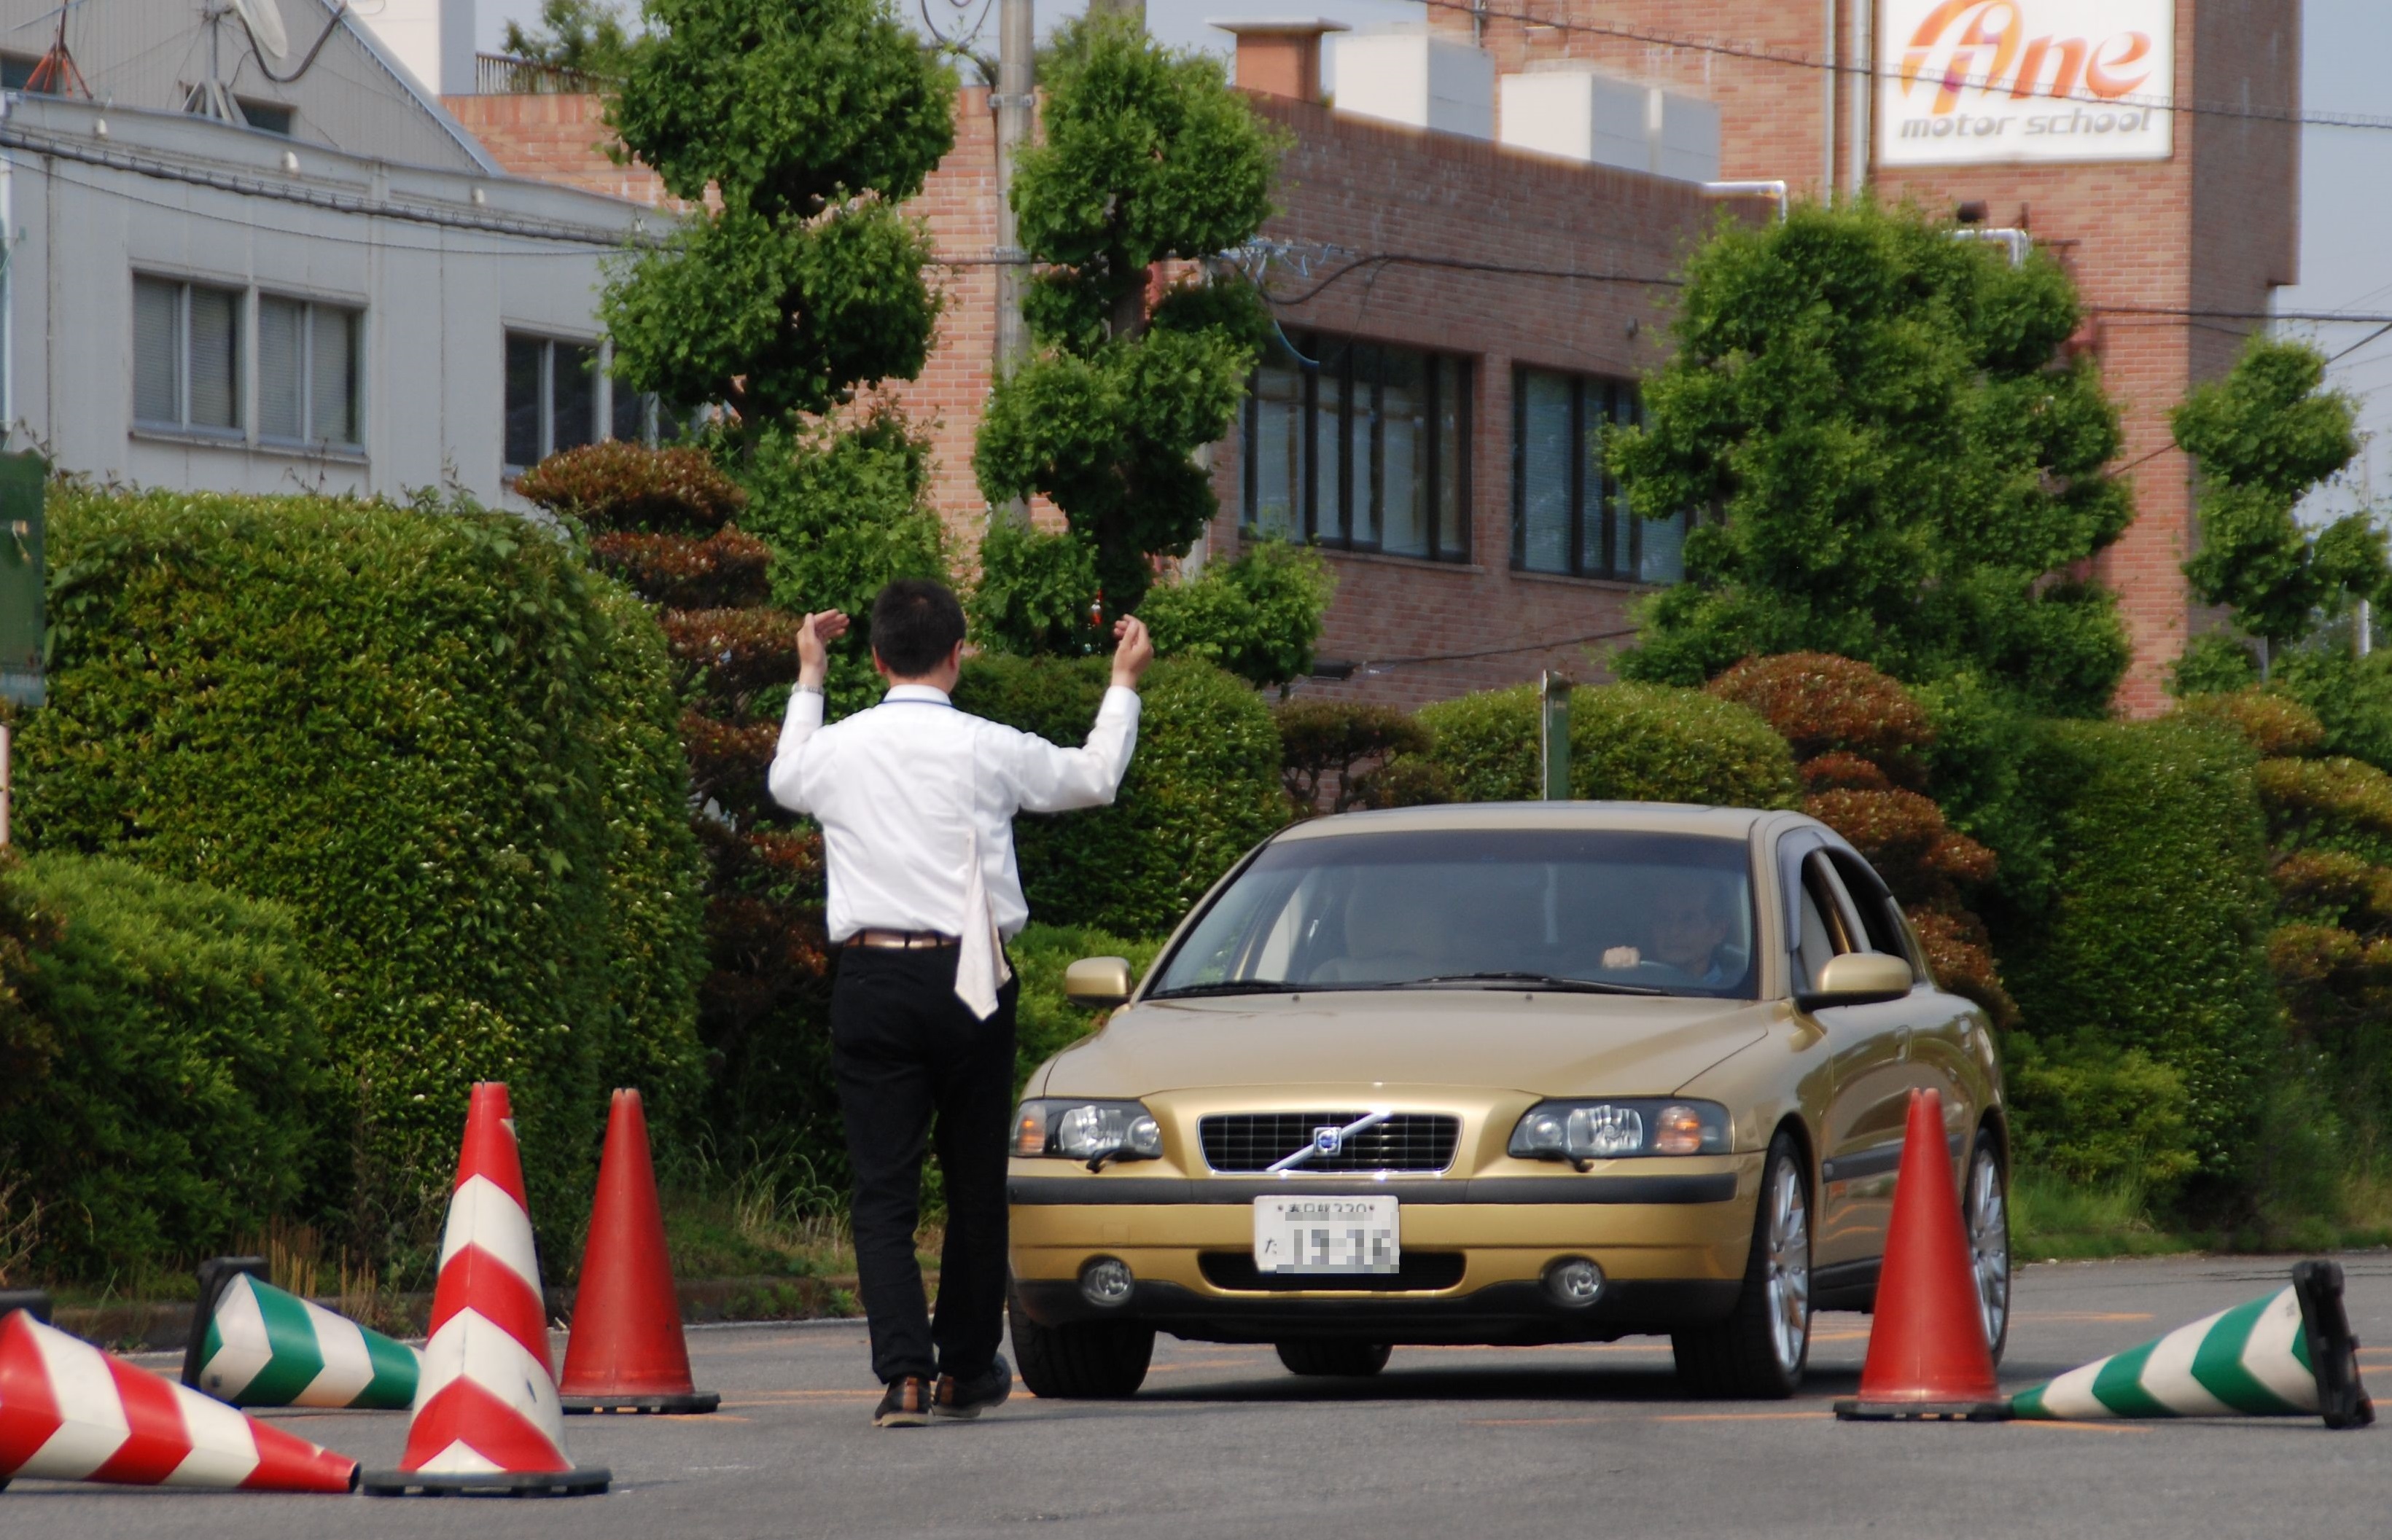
x=1280 y=57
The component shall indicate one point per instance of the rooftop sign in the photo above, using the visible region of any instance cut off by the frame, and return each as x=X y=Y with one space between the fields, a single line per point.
x=1982 y=82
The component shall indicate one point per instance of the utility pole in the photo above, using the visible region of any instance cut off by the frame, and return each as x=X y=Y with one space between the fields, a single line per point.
x=1017 y=42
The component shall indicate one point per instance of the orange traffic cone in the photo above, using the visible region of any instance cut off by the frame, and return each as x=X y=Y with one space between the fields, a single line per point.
x=486 y=1413
x=1927 y=1356
x=627 y=1354
x=71 y=1412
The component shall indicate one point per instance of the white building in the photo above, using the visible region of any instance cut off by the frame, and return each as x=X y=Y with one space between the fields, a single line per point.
x=341 y=293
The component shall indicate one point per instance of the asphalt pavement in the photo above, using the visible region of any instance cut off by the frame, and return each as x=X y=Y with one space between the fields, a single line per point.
x=1447 y=1442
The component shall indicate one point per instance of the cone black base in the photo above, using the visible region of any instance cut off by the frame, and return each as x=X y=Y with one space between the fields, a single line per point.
x=2333 y=1353
x=586 y=1481
x=1850 y=1410
x=214 y=1274
x=689 y=1404
x=32 y=1302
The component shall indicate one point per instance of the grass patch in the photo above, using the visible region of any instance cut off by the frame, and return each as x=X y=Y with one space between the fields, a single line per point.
x=2053 y=1218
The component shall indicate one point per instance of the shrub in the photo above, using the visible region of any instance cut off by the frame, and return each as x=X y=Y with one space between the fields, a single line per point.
x=2333 y=887
x=438 y=738
x=617 y=485
x=1960 y=956
x=187 y=1103
x=2275 y=725
x=27 y=1044
x=1047 y=1023
x=1202 y=789
x=2328 y=804
x=723 y=570
x=2351 y=696
x=1629 y=742
x=735 y=652
x=2154 y=941
x=2213 y=663
x=2100 y=1116
x=1903 y=835
x=1342 y=748
x=1820 y=704
x=1257 y=616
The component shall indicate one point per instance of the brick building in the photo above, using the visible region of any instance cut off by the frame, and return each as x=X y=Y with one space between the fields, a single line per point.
x=1459 y=313
x=2175 y=231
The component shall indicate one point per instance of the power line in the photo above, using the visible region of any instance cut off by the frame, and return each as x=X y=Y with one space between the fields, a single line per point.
x=1794 y=59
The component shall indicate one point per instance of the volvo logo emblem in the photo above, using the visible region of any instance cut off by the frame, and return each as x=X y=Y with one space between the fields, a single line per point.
x=1328 y=1141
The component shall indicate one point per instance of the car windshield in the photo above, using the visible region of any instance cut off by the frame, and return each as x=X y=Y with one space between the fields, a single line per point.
x=1602 y=911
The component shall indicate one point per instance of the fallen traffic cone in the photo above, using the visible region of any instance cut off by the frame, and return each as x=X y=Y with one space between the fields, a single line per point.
x=627 y=1354
x=252 y=1344
x=1927 y=1356
x=2290 y=1355
x=486 y=1413
x=71 y=1412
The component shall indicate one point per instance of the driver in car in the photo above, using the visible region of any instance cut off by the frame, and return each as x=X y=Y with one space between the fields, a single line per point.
x=1686 y=927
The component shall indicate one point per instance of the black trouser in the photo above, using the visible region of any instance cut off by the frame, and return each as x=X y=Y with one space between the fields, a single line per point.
x=903 y=1049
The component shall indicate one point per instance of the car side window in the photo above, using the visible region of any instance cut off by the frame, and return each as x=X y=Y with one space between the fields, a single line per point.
x=1828 y=925
x=1880 y=922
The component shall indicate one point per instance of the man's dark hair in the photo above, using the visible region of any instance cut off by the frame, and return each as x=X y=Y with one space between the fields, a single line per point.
x=915 y=623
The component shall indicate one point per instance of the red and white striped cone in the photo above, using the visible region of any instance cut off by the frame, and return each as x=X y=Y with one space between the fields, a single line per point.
x=487 y=1417
x=71 y=1412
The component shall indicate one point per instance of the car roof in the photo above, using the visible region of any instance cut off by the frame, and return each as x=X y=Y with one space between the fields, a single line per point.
x=1674 y=818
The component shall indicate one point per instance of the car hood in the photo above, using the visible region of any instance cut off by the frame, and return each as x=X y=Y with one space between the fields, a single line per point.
x=1546 y=1044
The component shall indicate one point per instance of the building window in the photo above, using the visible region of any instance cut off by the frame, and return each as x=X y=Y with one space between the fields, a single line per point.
x=308 y=372
x=1370 y=450
x=186 y=355
x=270 y=117
x=1568 y=513
x=16 y=71
x=559 y=398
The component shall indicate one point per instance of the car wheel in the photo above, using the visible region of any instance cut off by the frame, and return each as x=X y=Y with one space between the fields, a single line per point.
x=1334 y=1356
x=1758 y=1353
x=1083 y=1359
x=1989 y=1238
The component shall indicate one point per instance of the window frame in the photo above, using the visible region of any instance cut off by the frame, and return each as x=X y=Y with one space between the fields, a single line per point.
x=1334 y=357
x=309 y=306
x=602 y=401
x=243 y=360
x=1589 y=393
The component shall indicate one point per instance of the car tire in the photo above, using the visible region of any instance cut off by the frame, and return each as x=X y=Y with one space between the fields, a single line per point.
x=1759 y=1352
x=1334 y=1356
x=1986 y=1211
x=1082 y=1360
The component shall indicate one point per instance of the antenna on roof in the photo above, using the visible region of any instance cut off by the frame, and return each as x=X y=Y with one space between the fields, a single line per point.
x=55 y=74
x=261 y=21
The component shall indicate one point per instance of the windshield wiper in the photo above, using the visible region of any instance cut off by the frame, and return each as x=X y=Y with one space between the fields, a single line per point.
x=1532 y=980
x=1234 y=986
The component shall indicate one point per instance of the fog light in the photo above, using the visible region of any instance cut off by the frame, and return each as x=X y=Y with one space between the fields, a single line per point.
x=1107 y=1282
x=1576 y=1282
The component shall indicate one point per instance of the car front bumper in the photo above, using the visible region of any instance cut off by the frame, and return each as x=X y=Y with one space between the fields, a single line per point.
x=1671 y=1238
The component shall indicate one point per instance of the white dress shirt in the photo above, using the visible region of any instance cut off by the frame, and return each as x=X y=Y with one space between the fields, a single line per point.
x=903 y=791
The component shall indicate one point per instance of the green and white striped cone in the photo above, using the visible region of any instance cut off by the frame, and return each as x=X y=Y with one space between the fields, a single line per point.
x=263 y=1347
x=2261 y=1359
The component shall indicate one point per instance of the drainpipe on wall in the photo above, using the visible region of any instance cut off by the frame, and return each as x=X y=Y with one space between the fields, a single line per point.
x=1017 y=37
x=1827 y=113
x=1863 y=57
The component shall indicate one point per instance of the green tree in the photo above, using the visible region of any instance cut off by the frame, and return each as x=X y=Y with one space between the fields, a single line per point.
x=2264 y=436
x=811 y=120
x=586 y=36
x=1892 y=460
x=1149 y=156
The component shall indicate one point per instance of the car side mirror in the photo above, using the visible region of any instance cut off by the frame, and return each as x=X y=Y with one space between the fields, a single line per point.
x=1858 y=978
x=1097 y=983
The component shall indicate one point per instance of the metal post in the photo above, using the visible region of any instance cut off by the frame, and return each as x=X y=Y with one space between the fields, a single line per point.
x=1553 y=737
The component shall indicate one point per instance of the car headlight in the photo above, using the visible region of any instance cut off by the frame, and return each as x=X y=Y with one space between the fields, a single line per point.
x=1603 y=1130
x=1093 y=1132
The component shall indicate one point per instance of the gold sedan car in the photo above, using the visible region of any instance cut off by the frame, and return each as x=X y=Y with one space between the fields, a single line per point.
x=1506 y=1074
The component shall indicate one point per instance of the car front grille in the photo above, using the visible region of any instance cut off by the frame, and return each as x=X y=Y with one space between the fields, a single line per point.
x=1419 y=1142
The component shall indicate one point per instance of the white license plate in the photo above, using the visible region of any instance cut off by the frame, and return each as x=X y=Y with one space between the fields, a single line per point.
x=1327 y=1235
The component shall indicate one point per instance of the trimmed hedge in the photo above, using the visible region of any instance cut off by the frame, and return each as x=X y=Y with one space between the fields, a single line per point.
x=1202 y=789
x=443 y=743
x=186 y=1100
x=2156 y=942
x=1642 y=743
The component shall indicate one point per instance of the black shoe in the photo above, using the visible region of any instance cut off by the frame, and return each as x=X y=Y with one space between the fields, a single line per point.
x=906 y=1404
x=964 y=1399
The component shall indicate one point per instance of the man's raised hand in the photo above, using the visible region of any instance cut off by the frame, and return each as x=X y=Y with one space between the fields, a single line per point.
x=1133 y=650
x=815 y=633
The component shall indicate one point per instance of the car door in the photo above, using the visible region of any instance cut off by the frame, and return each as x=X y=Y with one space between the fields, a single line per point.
x=1938 y=1042
x=1871 y=1077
